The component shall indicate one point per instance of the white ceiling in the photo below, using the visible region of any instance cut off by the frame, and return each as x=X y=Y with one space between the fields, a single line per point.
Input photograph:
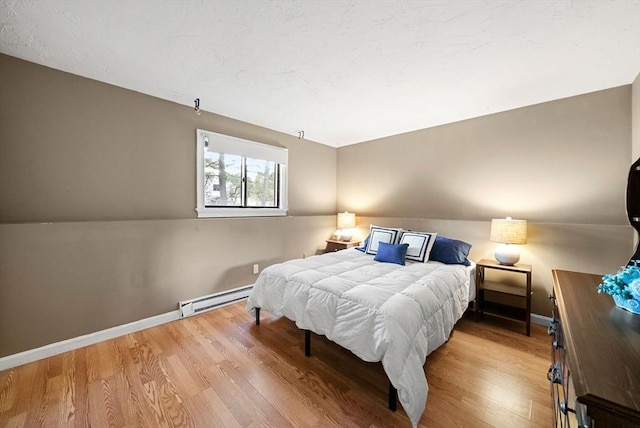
x=342 y=71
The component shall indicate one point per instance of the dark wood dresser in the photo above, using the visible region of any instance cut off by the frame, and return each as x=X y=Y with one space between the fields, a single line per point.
x=595 y=373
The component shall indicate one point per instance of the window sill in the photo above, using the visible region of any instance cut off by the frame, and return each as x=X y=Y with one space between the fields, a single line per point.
x=240 y=212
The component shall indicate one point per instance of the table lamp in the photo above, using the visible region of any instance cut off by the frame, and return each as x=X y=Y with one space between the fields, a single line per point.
x=346 y=222
x=510 y=233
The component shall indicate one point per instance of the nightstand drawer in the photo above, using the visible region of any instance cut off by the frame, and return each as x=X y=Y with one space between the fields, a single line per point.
x=333 y=245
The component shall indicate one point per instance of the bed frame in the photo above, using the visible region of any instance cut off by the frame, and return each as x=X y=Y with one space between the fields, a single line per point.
x=393 y=392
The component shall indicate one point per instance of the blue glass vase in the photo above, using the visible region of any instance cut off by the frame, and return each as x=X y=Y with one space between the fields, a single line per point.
x=632 y=305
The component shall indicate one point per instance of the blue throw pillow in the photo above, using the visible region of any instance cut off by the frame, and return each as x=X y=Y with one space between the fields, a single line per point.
x=450 y=251
x=391 y=253
x=364 y=245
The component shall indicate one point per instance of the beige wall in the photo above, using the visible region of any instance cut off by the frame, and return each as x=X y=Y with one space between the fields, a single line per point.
x=65 y=279
x=97 y=199
x=561 y=165
x=75 y=149
x=563 y=161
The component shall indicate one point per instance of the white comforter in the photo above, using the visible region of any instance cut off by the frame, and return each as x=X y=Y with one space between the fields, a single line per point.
x=379 y=311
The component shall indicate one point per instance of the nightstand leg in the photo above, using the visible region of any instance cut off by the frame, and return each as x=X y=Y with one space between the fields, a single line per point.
x=478 y=303
x=529 y=293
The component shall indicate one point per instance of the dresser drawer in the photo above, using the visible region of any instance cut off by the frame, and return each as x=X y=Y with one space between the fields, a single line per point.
x=567 y=411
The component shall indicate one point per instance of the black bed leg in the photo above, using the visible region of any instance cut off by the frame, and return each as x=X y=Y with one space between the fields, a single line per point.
x=393 y=398
x=257 y=316
x=307 y=343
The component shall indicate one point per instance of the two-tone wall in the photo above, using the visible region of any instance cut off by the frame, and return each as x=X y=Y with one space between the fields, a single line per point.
x=97 y=199
x=561 y=165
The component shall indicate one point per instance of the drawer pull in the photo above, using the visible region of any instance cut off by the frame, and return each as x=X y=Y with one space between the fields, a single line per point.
x=555 y=373
x=564 y=408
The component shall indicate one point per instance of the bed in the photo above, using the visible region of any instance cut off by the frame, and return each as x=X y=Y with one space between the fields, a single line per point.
x=381 y=311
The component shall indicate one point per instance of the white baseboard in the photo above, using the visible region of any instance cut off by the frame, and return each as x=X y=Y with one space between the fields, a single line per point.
x=52 y=349
x=15 y=360
x=540 y=319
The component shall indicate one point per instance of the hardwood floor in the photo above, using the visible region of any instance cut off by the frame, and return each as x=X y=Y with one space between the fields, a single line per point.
x=219 y=369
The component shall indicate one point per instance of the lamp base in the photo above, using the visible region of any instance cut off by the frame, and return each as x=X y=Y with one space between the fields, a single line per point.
x=507 y=255
x=346 y=235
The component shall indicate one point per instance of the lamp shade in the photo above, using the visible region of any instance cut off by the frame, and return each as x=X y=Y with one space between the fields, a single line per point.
x=509 y=231
x=346 y=220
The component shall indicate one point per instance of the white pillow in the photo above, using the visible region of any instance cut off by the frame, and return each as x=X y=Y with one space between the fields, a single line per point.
x=420 y=244
x=378 y=234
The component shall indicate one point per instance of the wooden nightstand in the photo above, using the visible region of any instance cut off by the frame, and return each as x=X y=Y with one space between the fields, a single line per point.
x=521 y=314
x=333 y=245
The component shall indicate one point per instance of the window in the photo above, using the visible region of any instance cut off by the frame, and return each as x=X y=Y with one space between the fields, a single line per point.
x=239 y=178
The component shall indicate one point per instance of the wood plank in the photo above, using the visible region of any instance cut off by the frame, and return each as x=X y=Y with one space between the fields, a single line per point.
x=75 y=407
x=220 y=369
x=208 y=410
x=7 y=393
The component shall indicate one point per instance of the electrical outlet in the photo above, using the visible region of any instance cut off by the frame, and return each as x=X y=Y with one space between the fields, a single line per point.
x=256 y=268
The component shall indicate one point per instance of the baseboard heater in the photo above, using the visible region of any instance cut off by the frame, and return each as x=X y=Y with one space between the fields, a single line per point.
x=213 y=301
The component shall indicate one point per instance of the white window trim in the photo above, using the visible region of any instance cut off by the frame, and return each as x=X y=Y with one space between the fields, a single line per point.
x=209 y=212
